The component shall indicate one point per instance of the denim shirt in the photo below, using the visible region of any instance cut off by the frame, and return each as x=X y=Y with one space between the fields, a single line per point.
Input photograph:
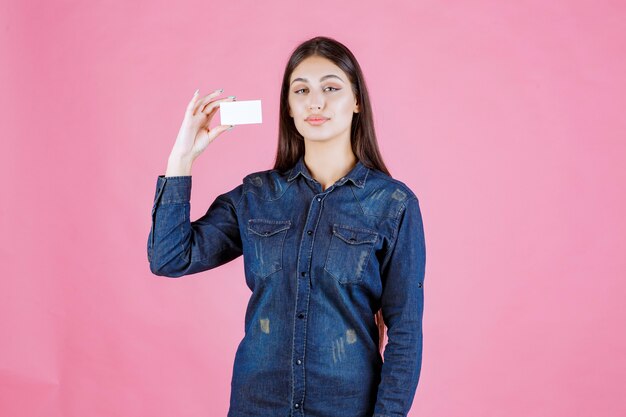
x=319 y=264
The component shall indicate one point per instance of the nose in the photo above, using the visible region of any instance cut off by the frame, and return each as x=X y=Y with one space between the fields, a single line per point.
x=315 y=101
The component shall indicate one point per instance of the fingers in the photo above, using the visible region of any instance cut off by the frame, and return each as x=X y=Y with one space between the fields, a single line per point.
x=210 y=107
x=218 y=130
x=192 y=103
x=204 y=105
x=210 y=114
x=202 y=101
x=196 y=100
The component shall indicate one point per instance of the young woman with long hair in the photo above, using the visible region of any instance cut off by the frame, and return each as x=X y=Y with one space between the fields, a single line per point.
x=333 y=249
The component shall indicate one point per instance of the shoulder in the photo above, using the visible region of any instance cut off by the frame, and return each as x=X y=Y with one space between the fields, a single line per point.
x=259 y=178
x=381 y=180
x=268 y=184
x=384 y=195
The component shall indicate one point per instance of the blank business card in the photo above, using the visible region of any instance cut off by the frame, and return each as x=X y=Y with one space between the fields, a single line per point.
x=240 y=112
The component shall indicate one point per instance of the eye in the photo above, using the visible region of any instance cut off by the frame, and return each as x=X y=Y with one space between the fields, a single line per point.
x=333 y=89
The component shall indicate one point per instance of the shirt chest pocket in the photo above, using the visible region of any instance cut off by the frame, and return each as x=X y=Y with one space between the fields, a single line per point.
x=349 y=253
x=266 y=239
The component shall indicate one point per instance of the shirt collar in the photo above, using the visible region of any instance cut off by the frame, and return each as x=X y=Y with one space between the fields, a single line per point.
x=357 y=174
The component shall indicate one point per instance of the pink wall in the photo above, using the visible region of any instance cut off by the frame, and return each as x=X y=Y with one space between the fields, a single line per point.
x=506 y=118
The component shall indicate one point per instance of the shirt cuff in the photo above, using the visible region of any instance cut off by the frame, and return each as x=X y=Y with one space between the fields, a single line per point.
x=175 y=189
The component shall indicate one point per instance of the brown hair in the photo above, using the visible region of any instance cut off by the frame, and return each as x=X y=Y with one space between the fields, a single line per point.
x=362 y=137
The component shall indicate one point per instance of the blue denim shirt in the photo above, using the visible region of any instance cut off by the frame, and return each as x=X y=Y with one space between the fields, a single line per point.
x=319 y=264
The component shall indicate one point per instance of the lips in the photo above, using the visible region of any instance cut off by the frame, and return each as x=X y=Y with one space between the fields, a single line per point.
x=316 y=120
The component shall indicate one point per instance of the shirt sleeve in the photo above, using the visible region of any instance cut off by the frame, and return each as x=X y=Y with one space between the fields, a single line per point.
x=402 y=272
x=178 y=246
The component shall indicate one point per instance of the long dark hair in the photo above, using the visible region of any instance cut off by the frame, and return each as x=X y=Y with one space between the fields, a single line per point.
x=362 y=134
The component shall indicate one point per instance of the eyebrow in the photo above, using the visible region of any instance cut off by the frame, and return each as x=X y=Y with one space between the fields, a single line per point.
x=321 y=79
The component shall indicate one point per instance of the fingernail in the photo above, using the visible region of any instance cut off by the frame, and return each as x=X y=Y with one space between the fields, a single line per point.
x=232 y=96
x=196 y=92
x=231 y=126
x=220 y=90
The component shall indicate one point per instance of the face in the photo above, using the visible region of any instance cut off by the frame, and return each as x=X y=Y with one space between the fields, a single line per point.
x=319 y=88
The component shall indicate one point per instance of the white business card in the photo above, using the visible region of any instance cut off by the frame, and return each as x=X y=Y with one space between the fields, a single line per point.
x=240 y=112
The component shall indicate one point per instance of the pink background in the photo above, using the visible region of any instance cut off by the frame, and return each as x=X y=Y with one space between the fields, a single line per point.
x=507 y=120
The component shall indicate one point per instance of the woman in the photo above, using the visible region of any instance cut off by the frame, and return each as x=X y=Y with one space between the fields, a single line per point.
x=332 y=245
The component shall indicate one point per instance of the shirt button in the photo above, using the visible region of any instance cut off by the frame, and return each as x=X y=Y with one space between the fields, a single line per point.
x=308 y=232
x=296 y=405
x=303 y=273
x=319 y=199
x=301 y=315
x=298 y=361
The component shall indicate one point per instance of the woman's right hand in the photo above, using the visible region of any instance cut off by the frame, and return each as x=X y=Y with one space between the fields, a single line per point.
x=194 y=134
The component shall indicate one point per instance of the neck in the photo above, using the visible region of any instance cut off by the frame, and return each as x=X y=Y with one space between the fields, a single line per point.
x=328 y=163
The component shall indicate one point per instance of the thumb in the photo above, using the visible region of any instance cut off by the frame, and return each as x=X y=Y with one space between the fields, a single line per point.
x=218 y=130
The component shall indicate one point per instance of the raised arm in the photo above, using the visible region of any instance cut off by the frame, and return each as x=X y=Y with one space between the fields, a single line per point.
x=177 y=246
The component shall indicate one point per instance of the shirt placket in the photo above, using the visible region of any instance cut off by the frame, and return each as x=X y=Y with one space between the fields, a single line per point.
x=303 y=292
